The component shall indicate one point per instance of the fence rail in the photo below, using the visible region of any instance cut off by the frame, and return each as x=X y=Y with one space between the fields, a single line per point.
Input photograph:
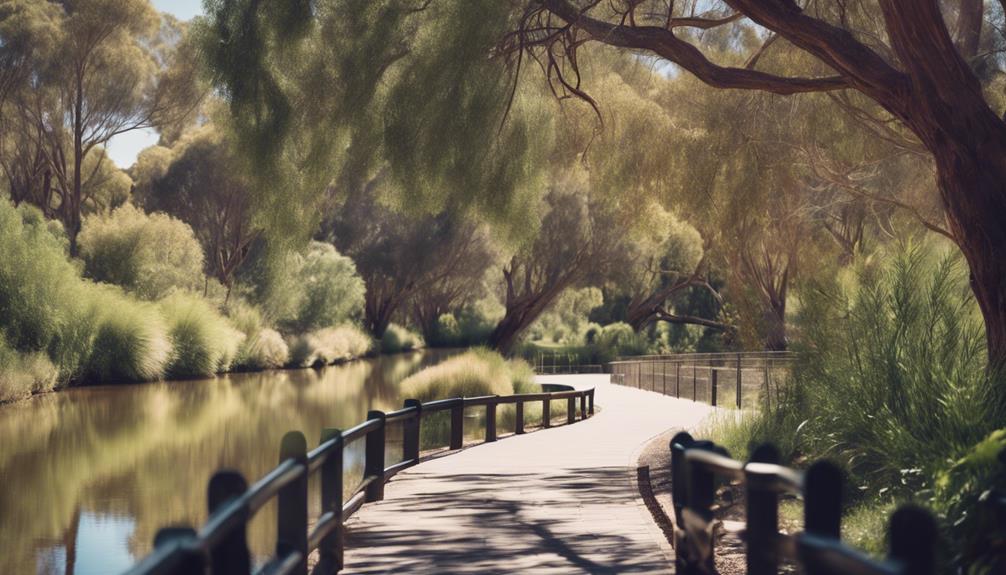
x=715 y=378
x=553 y=363
x=818 y=550
x=220 y=546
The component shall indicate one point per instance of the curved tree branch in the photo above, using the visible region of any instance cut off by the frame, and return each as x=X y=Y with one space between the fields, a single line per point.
x=664 y=43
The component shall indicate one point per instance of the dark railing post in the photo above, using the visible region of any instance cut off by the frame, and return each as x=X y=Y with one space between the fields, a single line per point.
x=583 y=406
x=822 y=507
x=571 y=410
x=458 y=424
x=739 y=381
x=914 y=540
x=373 y=463
x=491 y=420
x=663 y=376
x=291 y=524
x=679 y=492
x=330 y=551
x=184 y=537
x=231 y=555
x=518 y=424
x=411 y=432
x=713 y=381
x=590 y=402
x=695 y=381
x=762 y=517
x=677 y=379
x=701 y=491
x=546 y=412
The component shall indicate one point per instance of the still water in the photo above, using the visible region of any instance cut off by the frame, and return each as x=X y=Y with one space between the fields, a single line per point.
x=88 y=475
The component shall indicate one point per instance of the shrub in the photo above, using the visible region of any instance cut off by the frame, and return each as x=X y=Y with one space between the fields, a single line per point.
x=149 y=255
x=893 y=379
x=203 y=342
x=265 y=350
x=473 y=373
x=329 y=345
x=23 y=375
x=332 y=290
x=396 y=338
x=129 y=342
x=37 y=281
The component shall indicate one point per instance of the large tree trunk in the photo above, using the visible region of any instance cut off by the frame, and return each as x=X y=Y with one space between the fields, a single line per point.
x=506 y=333
x=973 y=186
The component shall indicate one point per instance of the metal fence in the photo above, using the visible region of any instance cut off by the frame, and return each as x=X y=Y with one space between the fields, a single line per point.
x=564 y=363
x=740 y=379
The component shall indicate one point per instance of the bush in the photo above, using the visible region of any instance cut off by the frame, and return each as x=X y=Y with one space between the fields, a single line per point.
x=332 y=290
x=396 y=338
x=900 y=355
x=37 y=281
x=329 y=345
x=130 y=341
x=149 y=255
x=265 y=350
x=469 y=326
x=23 y=375
x=473 y=373
x=203 y=341
x=892 y=384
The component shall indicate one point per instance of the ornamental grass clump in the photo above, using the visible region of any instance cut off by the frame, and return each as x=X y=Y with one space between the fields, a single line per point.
x=397 y=338
x=203 y=342
x=130 y=341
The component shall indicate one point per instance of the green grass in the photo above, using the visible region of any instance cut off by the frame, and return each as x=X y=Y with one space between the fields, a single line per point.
x=329 y=345
x=203 y=342
x=397 y=338
x=892 y=386
x=130 y=341
x=473 y=373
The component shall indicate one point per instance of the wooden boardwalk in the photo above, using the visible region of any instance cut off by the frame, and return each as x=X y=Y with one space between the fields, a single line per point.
x=562 y=500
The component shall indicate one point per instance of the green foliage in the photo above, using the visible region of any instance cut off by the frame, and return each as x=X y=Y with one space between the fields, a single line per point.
x=150 y=255
x=566 y=320
x=965 y=493
x=397 y=338
x=129 y=342
x=264 y=350
x=467 y=327
x=332 y=290
x=38 y=306
x=24 y=374
x=895 y=370
x=892 y=384
x=329 y=345
x=476 y=372
x=202 y=341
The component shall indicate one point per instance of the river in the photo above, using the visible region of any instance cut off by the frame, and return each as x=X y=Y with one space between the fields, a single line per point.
x=88 y=475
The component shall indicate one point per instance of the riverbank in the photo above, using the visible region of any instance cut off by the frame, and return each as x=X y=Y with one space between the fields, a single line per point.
x=92 y=472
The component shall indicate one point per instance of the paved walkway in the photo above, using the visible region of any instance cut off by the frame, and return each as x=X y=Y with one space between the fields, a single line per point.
x=561 y=500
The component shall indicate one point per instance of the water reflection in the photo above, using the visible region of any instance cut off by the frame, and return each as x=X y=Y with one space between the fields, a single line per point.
x=89 y=475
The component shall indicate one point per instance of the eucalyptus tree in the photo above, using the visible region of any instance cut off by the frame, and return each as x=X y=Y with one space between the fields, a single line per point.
x=462 y=262
x=104 y=76
x=202 y=181
x=921 y=63
x=579 y=242
x=431 y=262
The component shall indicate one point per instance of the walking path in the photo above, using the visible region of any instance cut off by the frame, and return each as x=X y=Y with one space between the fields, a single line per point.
x=562 y=500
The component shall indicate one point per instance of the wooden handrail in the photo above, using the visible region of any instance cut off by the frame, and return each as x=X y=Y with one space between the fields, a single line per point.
x=220 y=546
x=818 y=549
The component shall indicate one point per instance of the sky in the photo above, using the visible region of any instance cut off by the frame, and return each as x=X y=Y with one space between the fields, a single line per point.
x=124 y=148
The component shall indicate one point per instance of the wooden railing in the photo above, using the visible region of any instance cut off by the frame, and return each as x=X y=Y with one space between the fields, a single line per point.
x=818 y=550
x=220 y=546
x=714 y=378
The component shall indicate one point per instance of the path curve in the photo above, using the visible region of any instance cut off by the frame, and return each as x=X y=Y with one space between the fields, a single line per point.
x=561 y=500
